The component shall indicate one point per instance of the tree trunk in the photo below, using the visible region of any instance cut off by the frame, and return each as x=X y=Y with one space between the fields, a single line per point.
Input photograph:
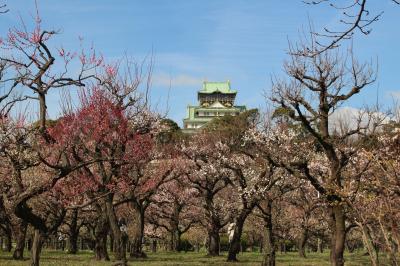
x=111 y=243
x=19 y=232
x=320 y=247
x=269 y=241
x=369 y=244
x=302 y=242
x=213 y=242
x=172 y=241
x=73 y=233
x=136 y=250
x=337 y=224
x=119 y=236
x=73 y=244
x=82 y=244
x=36 y=247
x=177 y=242
x=171 y=244
x=234 y=246
x=389 y=244
x=100 y=245
x=7 y=241
x=42 y=111
x=154 y=246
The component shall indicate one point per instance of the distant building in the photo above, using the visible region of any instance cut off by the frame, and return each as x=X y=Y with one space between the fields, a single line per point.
x=215 y=99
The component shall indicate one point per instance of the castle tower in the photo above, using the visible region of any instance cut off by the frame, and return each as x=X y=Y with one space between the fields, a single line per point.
x=214 y=99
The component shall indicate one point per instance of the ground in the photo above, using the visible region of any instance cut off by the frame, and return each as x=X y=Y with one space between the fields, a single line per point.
x=58 y=258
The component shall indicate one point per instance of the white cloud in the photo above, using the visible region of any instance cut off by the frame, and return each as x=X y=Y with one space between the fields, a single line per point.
x=348 y=118
x=395 y=94
x=165 y=80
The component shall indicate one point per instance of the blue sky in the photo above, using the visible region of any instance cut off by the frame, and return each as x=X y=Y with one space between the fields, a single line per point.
x=238 y=40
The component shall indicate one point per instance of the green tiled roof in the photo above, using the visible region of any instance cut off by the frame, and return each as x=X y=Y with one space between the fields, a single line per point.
x=211 y=87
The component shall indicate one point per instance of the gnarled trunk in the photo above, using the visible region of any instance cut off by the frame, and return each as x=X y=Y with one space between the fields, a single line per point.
x=369 y=244
x=100 y=234
x=175 y=243
x=42 y=111
x=213 y=241
x=36 y=249
x=73 y=233
x=387 y=235
x=19 y=232
x=302 y=242
x=73 y=244
x=111 y=243
x=338 y=234
x=154 y=246
x=320 y=248
x=178 y=245
x=119 y=236
x=234 y=246
x=100 y=248
x=136 y=249
x=269 y=244
x=7 y=241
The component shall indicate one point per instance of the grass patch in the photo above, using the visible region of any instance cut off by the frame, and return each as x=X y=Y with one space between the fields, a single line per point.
x=59 y=258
